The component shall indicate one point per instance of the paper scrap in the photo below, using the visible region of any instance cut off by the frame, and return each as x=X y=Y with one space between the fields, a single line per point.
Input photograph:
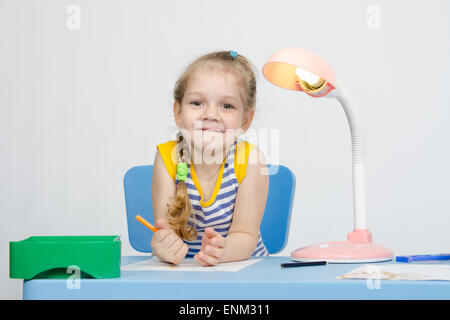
x=154 y=264
x=399 y=272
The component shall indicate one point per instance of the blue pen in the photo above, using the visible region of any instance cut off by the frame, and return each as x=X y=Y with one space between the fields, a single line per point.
x=425 y=257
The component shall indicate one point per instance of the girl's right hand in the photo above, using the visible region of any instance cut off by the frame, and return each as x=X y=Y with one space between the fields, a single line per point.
x=166 y=245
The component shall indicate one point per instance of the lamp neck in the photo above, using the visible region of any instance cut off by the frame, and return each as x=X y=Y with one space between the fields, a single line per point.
x=358 y=157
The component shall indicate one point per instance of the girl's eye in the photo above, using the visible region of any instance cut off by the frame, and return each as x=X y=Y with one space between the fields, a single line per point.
x=228 y=106
x=196 y=103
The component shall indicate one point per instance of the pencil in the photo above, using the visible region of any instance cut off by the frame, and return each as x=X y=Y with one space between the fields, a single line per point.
x=146 y=223
x=303 y=264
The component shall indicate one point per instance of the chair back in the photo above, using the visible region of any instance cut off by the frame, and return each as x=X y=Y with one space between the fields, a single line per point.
x=274 y=225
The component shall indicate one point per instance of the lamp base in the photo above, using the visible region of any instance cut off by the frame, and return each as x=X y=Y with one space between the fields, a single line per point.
x=350 y=251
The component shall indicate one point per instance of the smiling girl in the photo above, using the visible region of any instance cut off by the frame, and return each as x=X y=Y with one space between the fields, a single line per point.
x=210 y=189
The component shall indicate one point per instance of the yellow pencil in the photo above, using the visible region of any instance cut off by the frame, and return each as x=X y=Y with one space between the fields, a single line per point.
x=146 y=223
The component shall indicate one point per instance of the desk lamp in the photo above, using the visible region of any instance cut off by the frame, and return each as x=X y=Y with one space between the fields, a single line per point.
x=302 y=70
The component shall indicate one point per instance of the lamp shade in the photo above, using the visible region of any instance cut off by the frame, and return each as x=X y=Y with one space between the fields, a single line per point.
x=300 y=70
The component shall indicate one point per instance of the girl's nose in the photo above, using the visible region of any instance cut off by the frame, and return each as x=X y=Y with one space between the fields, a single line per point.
x=210 y=111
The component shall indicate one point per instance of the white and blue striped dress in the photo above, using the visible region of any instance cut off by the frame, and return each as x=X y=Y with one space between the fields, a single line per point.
x=219 y=214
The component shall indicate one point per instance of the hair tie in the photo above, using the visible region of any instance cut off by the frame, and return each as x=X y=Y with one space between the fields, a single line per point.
x=234 y=54
x=182 y=171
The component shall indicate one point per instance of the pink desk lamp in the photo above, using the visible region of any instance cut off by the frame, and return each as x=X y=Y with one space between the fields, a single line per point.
x=302 y=70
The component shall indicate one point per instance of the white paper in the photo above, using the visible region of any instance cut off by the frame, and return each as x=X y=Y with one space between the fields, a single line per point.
x=399 y=272
x=154 y=264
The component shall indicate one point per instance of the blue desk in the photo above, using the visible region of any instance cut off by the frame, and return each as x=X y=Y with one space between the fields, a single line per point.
x=260 y=281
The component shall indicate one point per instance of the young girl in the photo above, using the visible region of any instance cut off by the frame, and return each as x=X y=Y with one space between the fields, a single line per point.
x=210 y=210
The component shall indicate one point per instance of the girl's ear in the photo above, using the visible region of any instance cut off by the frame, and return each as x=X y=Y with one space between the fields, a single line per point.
x=177 y=113
x=247 y=120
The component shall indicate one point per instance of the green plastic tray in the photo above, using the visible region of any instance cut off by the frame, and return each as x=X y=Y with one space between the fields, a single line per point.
x=58 y=256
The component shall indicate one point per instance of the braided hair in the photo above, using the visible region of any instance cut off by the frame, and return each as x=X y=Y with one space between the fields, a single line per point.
x=180 y=209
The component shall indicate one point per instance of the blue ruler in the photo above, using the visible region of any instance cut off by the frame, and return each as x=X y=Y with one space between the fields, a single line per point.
x=425 y=257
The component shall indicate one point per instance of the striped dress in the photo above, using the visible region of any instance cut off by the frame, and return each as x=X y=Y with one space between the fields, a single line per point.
x=217 y=212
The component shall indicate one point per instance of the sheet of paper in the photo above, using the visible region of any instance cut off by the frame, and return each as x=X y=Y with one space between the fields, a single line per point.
x=154 y=264
x=399 y=272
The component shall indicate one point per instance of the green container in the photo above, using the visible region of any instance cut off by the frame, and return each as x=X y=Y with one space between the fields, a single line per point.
x=59 y=257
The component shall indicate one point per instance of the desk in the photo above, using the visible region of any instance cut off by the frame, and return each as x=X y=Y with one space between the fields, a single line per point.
x=264 y=280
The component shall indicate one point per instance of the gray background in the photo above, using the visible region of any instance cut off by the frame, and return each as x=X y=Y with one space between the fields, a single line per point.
x=81 y=106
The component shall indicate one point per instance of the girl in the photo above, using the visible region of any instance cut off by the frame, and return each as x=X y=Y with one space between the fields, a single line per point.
x=210 y=210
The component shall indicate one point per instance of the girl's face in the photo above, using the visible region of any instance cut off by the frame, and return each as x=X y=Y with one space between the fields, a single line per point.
x=212 y=113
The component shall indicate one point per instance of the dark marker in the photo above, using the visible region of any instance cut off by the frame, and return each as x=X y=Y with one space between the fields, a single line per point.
x=303 y=264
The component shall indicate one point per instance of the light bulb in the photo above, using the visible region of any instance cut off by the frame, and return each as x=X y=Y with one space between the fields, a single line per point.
x=309 y=81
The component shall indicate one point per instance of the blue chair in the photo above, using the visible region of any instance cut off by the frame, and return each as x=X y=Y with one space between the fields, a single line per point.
x=274 y=225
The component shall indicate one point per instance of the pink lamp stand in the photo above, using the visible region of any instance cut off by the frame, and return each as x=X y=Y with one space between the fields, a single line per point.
x=358 y=248
x=299 y=69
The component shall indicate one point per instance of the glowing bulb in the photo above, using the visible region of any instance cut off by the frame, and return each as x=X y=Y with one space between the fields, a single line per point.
x=309 y=81
x=309 y=77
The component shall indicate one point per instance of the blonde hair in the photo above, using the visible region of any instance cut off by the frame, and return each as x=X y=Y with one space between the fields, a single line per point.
x=179 y=208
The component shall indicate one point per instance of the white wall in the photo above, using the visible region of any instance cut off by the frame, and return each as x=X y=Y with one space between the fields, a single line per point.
x=81 y=106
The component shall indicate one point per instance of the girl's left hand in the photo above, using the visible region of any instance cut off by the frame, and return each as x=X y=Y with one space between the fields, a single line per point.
x=213 y=248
